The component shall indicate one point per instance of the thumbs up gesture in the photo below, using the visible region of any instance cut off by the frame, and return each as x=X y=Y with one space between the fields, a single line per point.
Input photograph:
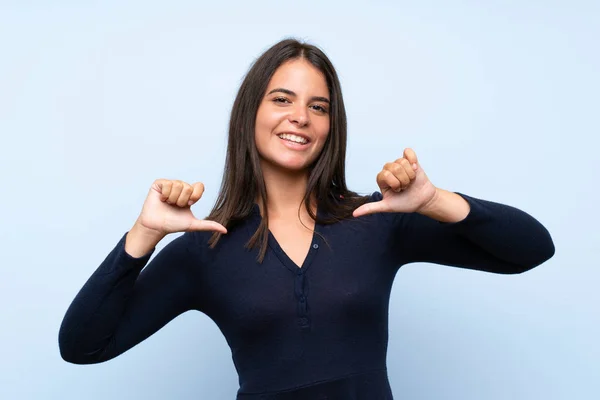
x=167 y=208
x=404 y=186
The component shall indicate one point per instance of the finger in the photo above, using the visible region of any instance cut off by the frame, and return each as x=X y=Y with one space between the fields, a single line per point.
x=411 y=156
x=184 y=197
x=175 y=192
x=205 y=225
x=370 y=208
x=407 y=167
x=164 y=186
x=397 y=169
x=387 y=180
x=197 y=193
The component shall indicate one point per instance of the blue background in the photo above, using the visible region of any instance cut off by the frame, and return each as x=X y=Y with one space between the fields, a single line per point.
x=500 y=100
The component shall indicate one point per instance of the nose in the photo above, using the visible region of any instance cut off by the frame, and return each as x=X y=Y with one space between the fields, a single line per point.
x=299 y=116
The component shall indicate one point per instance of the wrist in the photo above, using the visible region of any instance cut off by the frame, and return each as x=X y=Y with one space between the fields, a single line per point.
x=446 y=206
x=151 y=234
x=430 y=205
x=141 y=240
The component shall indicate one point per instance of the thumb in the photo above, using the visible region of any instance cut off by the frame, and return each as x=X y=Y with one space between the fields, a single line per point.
x=205 y=225
x=370 y=208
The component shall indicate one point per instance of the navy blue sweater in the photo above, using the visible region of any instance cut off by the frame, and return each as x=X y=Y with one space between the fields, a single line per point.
x=315 y=332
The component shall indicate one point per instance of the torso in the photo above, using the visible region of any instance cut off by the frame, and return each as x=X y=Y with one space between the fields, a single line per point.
x=294 y=239
x=290 y=326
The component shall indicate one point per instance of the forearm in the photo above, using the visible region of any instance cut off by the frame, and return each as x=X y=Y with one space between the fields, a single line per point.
x=119 y=306
x=94 y=314
x=446 y=206
x=491 y=237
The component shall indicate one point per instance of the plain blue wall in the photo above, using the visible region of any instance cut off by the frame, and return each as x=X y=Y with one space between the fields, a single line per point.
x=498 y=98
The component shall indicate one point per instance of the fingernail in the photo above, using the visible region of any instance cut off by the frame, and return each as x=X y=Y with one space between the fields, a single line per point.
x=415 y=166
x=190 y=203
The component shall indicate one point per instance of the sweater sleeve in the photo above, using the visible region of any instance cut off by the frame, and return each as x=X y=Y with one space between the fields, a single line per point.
x=493 y=237
x=120 y=305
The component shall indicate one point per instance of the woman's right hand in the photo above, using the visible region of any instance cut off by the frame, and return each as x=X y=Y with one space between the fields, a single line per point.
x=167 y=208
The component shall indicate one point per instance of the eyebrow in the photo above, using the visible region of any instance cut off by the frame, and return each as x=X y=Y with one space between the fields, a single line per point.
x=290 y=93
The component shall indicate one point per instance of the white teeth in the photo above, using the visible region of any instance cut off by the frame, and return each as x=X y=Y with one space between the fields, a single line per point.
x=293 y=138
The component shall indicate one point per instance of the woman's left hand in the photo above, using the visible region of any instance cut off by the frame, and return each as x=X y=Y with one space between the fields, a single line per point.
x=404 y=186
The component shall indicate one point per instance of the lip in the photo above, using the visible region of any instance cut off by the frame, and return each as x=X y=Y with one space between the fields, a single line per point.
x=302 y=135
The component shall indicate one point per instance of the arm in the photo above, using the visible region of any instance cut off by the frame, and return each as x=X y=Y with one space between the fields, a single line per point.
x=485 y=236
x=118 y=307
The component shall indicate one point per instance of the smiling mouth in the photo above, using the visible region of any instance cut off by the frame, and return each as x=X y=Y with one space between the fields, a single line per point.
x=290 y=137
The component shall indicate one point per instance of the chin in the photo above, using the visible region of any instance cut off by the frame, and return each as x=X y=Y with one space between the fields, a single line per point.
x=291 y=165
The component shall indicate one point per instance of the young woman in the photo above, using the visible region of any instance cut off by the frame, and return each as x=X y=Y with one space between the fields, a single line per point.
x=294 y=268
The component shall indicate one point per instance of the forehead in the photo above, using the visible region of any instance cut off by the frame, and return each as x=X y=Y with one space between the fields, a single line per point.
x=300 y=76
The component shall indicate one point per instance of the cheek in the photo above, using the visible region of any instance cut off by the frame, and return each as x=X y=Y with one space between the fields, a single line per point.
x=260 y=120
x=261 y=127
x=266 y=122
x=322 y=131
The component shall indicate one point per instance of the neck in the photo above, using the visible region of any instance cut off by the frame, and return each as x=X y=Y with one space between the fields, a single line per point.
x=285 y=192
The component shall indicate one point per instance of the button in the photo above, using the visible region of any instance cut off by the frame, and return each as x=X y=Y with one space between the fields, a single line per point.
x=315 y=246
x=303 y=321
x=302 y=299
x=299 y=272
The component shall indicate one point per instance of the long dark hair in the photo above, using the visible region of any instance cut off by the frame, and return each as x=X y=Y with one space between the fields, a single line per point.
x=242 y=176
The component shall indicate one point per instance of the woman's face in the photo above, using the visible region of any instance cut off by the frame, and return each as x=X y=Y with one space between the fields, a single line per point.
x=292 y=122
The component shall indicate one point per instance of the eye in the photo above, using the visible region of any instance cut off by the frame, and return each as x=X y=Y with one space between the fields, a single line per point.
x=281 y=100
x=320 y=109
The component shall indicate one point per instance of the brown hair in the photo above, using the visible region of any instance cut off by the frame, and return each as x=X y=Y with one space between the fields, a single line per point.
x=242 y=176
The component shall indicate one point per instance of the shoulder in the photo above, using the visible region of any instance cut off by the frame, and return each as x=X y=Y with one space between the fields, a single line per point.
x=197 y=241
